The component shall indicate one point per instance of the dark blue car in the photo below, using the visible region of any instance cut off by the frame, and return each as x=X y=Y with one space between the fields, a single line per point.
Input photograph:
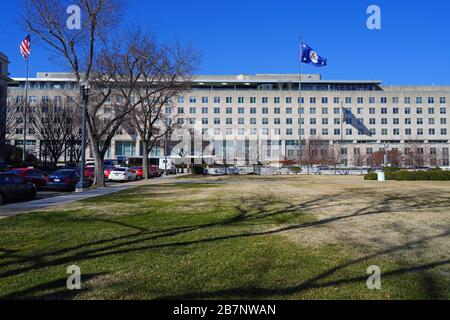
x=13 y=187
x=64 y=179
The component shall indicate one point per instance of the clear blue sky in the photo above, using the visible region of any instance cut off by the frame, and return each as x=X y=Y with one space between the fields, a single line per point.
x=261 y=36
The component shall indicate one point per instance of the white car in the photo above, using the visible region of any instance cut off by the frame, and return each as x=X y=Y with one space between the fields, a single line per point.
x=123 y=174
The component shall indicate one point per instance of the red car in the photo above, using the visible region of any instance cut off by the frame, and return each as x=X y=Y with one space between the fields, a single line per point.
x=153 y=171
x=89 y=172
x=37 y=177
x=108 y=171
x=139 y=172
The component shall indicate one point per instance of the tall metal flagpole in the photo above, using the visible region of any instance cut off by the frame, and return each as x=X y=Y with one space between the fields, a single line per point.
x=300 y=101
x=24 y=151
x=343 y=117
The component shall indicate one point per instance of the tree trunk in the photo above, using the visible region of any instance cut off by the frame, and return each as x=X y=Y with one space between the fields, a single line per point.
x=145 y=173
x=99 y=176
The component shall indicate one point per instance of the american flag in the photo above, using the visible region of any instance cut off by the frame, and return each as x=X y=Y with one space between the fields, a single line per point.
x=25 y=47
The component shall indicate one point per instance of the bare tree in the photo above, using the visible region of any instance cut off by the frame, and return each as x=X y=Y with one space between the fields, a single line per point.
x=148 y=77
x=12 y=121
x=395 y=158
x=79 y=50
x=360 y=160
x=14 y=115
x=439 y=157
x=149 y=119
x=376 y=159
x=56 y=126
x=310 y=153
x=415 y=155
x=334 y=156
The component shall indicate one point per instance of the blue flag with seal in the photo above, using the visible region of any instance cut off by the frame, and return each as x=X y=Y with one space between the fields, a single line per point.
x=309 y=56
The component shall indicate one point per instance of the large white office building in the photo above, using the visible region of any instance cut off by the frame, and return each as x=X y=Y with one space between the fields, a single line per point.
x=235 y=113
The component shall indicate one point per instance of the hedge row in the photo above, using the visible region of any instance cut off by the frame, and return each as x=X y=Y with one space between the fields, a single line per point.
x=198 y=170
x=432 y=175
x=371 y=176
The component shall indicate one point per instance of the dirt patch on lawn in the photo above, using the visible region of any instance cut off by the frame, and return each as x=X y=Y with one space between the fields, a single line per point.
x=405 y=219
x=402 y=219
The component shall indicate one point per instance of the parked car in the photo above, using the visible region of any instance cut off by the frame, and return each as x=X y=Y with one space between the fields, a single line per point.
x=123 y=174
x=107 y=171
x=36 y=176
x=139 y=172
x=13 y=187
x=3 y=166
x=65 y=179
x=89 y=172
x=154 y=171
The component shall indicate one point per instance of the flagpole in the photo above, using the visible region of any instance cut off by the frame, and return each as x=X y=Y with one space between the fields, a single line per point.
x=300 y=102
x=24 y=151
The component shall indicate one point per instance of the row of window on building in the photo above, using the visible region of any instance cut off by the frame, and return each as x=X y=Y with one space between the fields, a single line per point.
x=311 y=111
x=72 y=85
x=314 y=100
x=47 y=85
x=311 y=131
x=265 y=100
x=311 y=121
x=323 y=132
x=44 y=99
x=275 y=110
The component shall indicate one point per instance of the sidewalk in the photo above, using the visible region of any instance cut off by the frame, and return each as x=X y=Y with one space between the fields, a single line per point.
x=21 y=207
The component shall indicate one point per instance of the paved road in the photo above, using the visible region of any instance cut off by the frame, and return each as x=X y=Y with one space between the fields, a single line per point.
x=47 y=199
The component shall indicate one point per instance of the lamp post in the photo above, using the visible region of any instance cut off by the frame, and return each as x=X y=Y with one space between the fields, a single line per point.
x=168 y=123
x=386 y=146
x=83 y=185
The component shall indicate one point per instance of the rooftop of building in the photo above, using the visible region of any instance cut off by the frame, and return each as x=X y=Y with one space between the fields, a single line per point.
x=271 y=81
x=241 y=78
x=4 y=76
x=3 y=56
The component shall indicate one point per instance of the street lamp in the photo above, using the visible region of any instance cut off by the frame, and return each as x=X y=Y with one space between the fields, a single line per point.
x=83 y=184
x=168 y=124
x=386 y=146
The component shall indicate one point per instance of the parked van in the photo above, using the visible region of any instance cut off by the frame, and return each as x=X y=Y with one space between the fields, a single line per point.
x=171 y=168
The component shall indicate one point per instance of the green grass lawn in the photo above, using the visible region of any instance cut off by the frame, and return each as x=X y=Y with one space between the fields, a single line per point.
x=199 y=239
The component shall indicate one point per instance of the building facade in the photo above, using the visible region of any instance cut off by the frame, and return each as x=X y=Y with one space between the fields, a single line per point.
x=263 y=118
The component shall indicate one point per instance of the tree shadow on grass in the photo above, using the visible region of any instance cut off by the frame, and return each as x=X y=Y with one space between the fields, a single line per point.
x=143 y=235
x=431 y=290
x=57 y=290
x=121 y=243
x=142 y=239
